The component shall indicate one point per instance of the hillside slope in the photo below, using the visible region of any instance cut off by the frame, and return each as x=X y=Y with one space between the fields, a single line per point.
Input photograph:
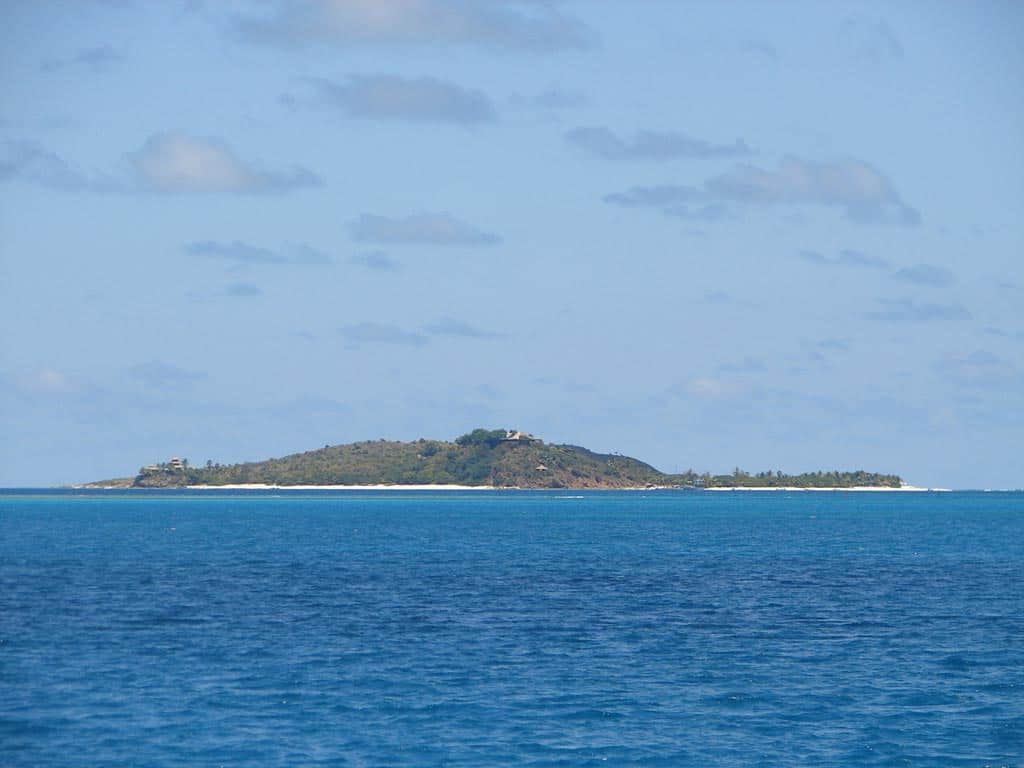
x=481 y=458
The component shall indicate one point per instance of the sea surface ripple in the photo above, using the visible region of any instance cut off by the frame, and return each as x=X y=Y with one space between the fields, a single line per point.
x=511 y=628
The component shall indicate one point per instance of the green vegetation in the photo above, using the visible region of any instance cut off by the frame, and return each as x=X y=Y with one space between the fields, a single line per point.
x=500 y=458
x=481 y=457
x=488 y=437
x=833 y=479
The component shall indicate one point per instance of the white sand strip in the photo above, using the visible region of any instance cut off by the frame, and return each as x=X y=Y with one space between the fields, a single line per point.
x=262 y=487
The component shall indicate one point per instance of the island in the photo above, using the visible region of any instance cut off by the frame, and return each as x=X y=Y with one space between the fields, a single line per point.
x=483 y=458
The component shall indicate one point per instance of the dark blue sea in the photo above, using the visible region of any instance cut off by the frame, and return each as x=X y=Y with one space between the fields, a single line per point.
x=511 y=628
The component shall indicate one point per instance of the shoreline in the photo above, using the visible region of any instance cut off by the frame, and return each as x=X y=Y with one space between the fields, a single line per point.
x=442 y=487
x=858 y=488
x=381 y=487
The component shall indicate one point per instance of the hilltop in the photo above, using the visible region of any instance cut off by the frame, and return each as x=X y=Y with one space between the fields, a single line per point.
x=499 y=458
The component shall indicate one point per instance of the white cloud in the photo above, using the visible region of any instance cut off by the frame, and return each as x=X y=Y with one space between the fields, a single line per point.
x=167 y=162
x=388 y=97
x=172 y=162
x=853 y=186
x=499 y=24
x=45 y=380
x=861 y=192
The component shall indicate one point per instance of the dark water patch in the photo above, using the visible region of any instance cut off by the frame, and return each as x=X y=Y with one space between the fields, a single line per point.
x=1009 y=733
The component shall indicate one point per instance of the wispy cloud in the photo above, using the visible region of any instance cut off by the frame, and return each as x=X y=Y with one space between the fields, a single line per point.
x=764 y=53
x=389 y=97
x=834 y=344
x=450 y=327
x=95 y=59
x=979 y=368
x=862 y=193
x=372 y=333
x=919 y=274
x=45 y=381
x=869 y=41
x=820 y=351
x=705 y=213
x=746 y=365
x=364 y=334
x=375 y=260
x=243 y=290
x=845 y=258
x=559 y=98
x=29 y=162
x=661 y=196
x=678 y=201
x=925 y=274
x=651 y=145
x=156 y=373
x=166 y=163
x=853 y=186
x=908 y=311
x=706 y=388
x=172 y=162
x=1002 y=333
x=243 y=253
x=716 y=297
x=420 y=229
x=497 y=24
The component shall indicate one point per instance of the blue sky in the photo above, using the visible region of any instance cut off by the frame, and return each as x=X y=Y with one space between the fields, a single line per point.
x=779 y=236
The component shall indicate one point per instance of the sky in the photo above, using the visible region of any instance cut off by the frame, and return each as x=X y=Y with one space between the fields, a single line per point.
x=707 y=235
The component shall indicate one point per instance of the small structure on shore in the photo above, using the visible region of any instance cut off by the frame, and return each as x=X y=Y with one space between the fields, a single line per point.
x=173 y=467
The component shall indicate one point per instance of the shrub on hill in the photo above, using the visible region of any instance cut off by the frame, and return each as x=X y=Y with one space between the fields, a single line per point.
x=489 y=437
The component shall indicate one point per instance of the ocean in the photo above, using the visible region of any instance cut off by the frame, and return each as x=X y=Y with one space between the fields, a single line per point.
x=539 y=628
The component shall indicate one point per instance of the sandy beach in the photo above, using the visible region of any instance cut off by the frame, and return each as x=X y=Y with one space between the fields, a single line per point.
x=262 y=487
x=427 y=487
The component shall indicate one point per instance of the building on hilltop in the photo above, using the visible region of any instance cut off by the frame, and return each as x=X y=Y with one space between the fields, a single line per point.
x=175 y=465
x=514 y=435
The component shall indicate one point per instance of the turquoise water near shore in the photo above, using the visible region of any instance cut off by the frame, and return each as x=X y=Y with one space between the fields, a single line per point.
x=511 y=628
